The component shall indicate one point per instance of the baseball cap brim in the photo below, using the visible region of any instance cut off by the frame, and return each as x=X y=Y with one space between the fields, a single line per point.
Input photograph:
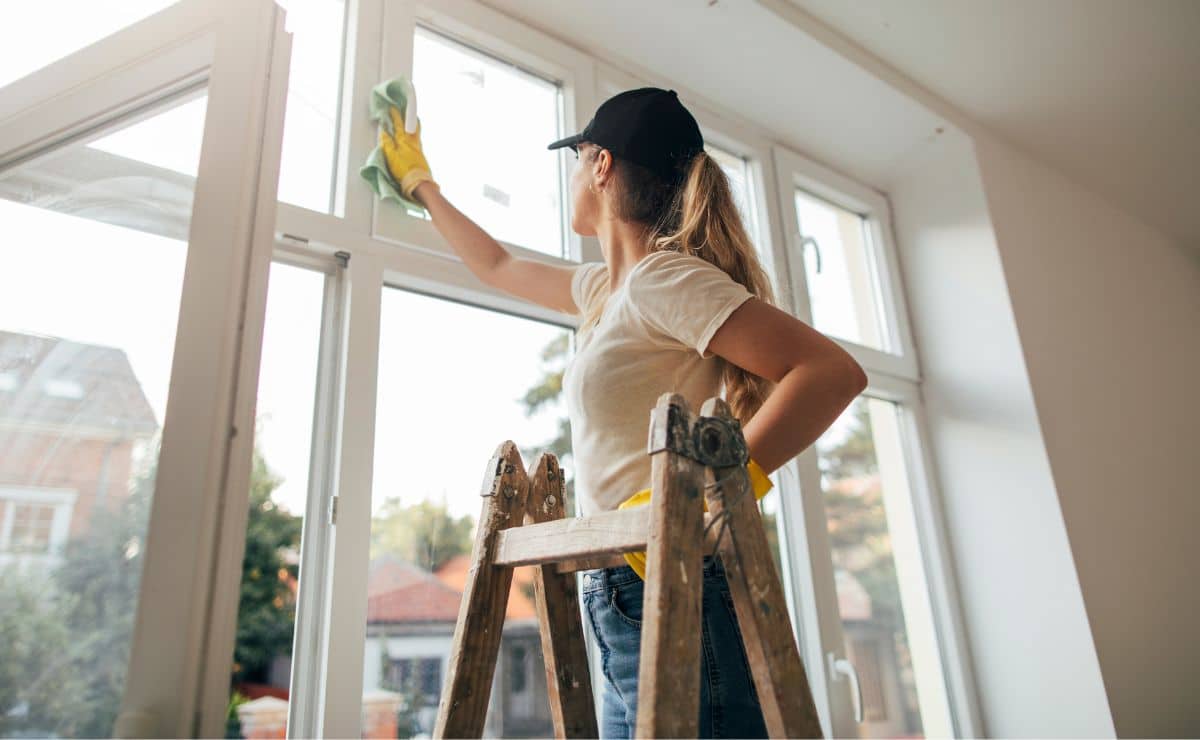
x=571 y=141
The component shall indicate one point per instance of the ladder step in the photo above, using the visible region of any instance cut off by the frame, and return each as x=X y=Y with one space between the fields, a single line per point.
x=578 y=539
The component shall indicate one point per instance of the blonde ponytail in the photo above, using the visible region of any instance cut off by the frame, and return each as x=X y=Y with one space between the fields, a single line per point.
x=697 y=215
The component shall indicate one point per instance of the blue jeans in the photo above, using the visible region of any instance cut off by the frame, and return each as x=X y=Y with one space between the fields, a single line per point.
x=729 y=705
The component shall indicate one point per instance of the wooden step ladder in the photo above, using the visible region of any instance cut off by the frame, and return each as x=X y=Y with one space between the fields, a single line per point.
x=523 y=523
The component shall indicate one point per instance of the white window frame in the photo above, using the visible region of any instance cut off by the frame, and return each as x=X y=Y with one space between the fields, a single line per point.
x=62 y=500
x=181 y=654
x=793 y=171
x=183 y=642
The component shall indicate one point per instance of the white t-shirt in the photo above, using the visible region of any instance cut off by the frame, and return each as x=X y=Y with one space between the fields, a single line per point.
x=652 y=338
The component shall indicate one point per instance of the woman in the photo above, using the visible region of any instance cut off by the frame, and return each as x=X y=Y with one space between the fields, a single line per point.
x=681 y=304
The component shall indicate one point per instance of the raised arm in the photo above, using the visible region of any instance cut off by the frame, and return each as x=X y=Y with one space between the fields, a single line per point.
x=544 y=284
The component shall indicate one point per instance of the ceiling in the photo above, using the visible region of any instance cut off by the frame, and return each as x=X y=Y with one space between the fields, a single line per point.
x=1105 y=91
x=742 y=58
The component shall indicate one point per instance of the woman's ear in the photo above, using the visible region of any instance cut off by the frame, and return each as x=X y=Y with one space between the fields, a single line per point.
x=602 y=167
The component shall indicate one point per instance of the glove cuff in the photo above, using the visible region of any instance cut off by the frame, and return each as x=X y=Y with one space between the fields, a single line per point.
x=412 y=179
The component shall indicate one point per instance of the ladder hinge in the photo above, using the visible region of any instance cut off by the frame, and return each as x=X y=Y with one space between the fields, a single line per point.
x=333 y=510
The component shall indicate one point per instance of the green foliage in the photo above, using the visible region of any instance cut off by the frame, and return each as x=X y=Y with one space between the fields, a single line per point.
x=423 y=534
x=546 y=391
x=233 y=724
x=36 y=676
x=266 y=607
x=65 y=636
x=68 y=635
x=857 y=521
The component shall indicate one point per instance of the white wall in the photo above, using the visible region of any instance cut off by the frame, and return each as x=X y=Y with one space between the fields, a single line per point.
x=1024 y=615
x=1108 y=312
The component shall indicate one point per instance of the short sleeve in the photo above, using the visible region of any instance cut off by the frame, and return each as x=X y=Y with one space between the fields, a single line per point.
x=585 y=282
x=684 y=297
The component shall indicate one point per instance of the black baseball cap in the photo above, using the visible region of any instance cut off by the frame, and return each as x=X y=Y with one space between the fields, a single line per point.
x=648 y=126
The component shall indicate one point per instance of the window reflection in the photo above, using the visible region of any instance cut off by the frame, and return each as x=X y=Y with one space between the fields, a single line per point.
x=455 y=382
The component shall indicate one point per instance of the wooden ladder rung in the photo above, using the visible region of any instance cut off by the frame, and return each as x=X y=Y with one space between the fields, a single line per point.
x=610 y=532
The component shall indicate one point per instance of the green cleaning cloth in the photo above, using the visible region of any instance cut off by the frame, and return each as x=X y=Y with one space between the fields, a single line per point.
x=387 y=94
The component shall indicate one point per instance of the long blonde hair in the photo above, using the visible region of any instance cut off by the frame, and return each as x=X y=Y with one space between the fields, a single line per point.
x=696 y=215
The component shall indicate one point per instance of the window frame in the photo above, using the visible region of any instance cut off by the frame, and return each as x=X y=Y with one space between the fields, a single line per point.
x=795 y=171
x=365 y=250
x=60 y=500
x=181 y=653
x=495 y=35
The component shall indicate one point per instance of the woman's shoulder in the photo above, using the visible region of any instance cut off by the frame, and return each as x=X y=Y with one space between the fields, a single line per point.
x=670 y=266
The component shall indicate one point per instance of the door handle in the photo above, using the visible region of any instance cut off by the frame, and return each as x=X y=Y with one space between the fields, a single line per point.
x=846 y=668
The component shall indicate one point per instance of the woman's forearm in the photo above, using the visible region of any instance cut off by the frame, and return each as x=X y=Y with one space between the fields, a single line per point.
x=800 y=408
x=476 y=247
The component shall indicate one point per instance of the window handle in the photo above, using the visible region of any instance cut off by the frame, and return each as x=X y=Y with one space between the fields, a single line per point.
x=806 y=240
x=845 y=667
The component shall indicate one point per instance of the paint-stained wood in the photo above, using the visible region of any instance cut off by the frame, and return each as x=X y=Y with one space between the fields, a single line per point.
x=567 y=678
x=601 y=561
x=523 y=521
x=668 y=669
x=468 y=684
x=779 y=676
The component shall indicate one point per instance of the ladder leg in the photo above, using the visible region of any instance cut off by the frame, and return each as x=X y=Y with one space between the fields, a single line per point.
x=669 y=663
x=779 y=676
x=568 y=680
x=467 y=688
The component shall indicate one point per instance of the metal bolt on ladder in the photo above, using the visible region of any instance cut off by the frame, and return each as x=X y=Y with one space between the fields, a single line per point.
x=691 y=458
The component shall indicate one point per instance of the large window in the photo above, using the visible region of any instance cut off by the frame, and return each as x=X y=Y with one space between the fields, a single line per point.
x=485 y=125
x=93 y=237
x=841 y=272
x=455 y=382
x=388 y=376
x=882 y=595
x=279 y=483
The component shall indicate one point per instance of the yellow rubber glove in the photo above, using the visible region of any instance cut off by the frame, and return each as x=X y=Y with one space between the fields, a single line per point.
x=637 y=560
x=405 y=160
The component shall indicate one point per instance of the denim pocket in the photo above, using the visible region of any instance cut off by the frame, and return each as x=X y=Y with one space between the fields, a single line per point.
x=626 y=601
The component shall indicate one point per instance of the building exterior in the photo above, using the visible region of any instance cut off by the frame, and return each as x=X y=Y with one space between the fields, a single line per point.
x=411 y=615
x=72 y=418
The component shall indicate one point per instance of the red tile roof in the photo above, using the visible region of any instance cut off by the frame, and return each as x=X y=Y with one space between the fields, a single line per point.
x=426 y=601
x=402 y=592
x=454 y=574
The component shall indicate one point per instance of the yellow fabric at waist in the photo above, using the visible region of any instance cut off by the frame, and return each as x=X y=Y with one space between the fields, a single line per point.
x=637 y=560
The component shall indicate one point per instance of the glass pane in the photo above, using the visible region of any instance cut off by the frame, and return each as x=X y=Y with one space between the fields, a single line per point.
x=843 y=277
x=183 y=126
x=278 y=492
x=882 y=595
x=309 y=125
x=39 y=33
x=485 y=125
x=437 y=426
x=94 y=248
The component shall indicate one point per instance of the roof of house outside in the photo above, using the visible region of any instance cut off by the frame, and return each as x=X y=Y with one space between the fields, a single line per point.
x=399 y=591
x=57 y=382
